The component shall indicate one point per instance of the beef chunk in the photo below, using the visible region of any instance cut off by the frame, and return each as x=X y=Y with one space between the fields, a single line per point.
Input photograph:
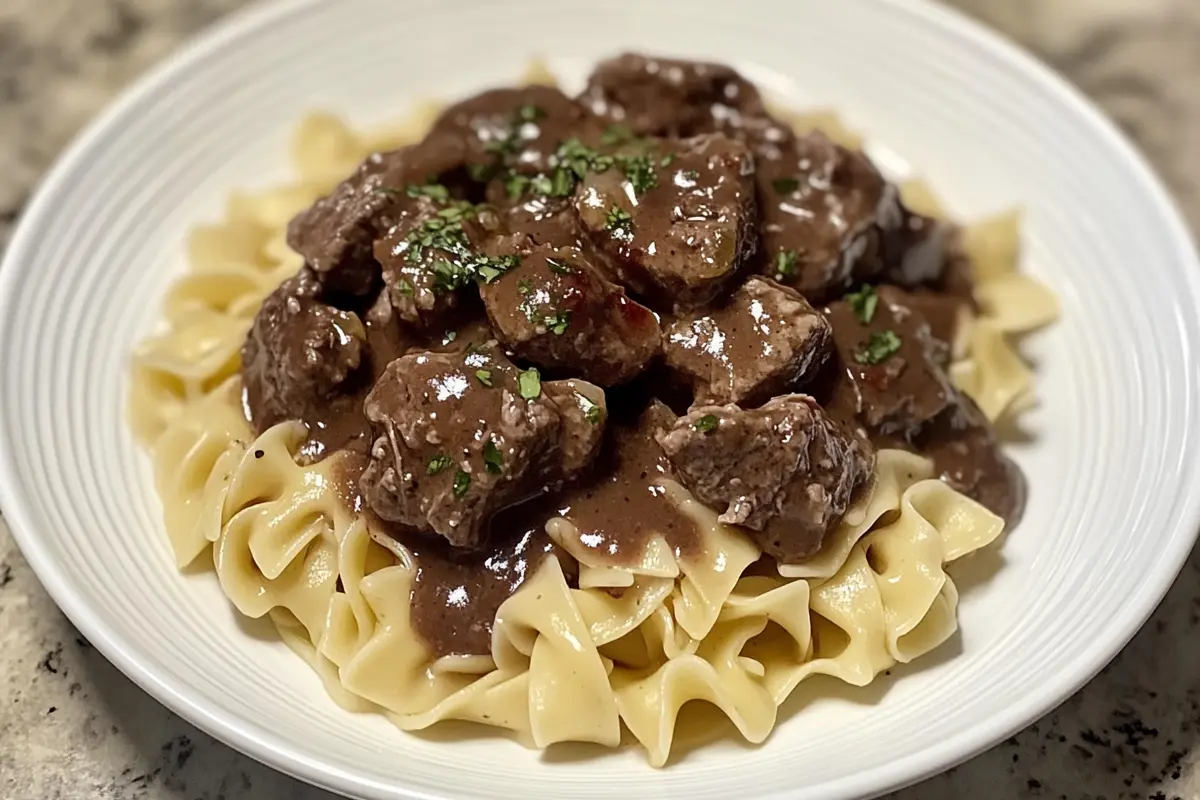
x=299 y=353
x=584 y=413
x=785 y=471
x=963 y=447
x=915 y=252
x=335 y=235
x=536 y=221
x=559 y=312
x=668 y=97
x=513 y=129
x=823 y=209
x=945 y=313
x=678 y=232
x=891 y=378
x=765 y=340
x=432 y=252
x=461 y=435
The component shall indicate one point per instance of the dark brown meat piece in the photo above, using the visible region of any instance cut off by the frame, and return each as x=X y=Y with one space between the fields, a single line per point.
x=298 y=354
x=433 y=251
x=945 y=313
x=786 y=472
x=915 y=252
x=536 y=221
x=891 y=380
x=559 y=312
x=514 y=129
x=335 y=235
x=764 y=341
x=584 y=414
x=670 y=97
x=461 y=435
x=823 y=210
x=965 y=454
x=692 y=225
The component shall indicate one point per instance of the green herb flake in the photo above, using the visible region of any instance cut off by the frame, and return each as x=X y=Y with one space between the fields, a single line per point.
x=785 y=263
x=563 y=183
x=640 y=171
x=484 y=376
x=559 y=267
x=592 y=412
x=515 y=185
x=558 y=322
x=529 y=384
x=404 y=287
x=437 y=464
x=434 y=191
x=449 y=337
x=524 y=286
x=785 y=185
x=880 y=347
x=489 y=273
x=528 y=113
x=462 y=482
x=542 y=185
x=666 y=160
x=691 y=174
x=618 y=220
x=864 y=302
x=706 y=424
x=493 y=460
x=616 y=134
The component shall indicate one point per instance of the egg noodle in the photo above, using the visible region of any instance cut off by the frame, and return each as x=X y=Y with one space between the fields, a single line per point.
x=618 y=656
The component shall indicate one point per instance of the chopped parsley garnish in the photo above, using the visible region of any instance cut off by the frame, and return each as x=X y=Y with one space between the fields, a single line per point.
x=562 y=184
x=449 y=276
x=493 y=460
x=706 y=424
x=864 y=303
x=666 y=160
x=558 y=322
x=880 y=347
x=528 y=113
x=404 y=287
x=484 y=376
x=591 y=411
x=460 y=263
x=691 y=174
x=524 y=286
x=449 y=337
x=785 y=185
x=559 y=267
x=437 y=464
x=489 y=273
x=785 y=263
x=618 y=220
x=616 y=134
x=640 y=171
x=529 y=384
x=432 y=190
x=462 y=482
x=516 y=184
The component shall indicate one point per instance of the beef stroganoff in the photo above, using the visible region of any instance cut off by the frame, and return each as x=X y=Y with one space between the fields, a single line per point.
x=554 y=414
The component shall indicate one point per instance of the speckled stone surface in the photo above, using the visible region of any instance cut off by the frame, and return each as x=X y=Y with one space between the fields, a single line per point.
x=71 y=726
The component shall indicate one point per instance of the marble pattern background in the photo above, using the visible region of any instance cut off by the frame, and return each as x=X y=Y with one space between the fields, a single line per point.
x=71 y=726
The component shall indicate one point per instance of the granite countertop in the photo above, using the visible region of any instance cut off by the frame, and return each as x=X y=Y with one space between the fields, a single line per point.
x=72 y=726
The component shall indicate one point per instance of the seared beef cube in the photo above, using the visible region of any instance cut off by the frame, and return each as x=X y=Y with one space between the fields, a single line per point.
x=299 y=352
x=432 y=252
x=669 y=97
x=915 y=252
x=784 y=471
x=559 y=312
x=584 y=414
x=963 y=447
x=514 y=129
x=892 y=378
x=459 y=436
x=335 y=235
x=946 y=314
x=678 y=220
x=764 y=341
x=823 y=208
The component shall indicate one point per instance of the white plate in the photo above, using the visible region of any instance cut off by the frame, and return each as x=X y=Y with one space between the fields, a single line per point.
x=1112 y=460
